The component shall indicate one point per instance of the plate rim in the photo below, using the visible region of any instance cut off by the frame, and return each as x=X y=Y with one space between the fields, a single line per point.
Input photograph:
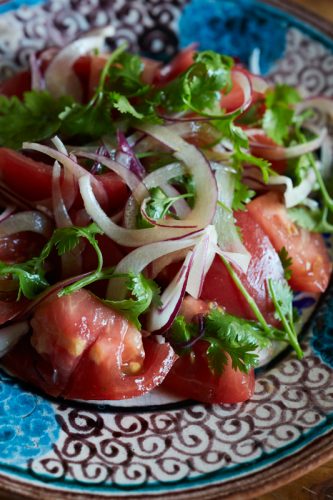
x=282 y=472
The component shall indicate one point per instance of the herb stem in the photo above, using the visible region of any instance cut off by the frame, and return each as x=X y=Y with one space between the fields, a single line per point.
x=247 y=296
x=287 y=326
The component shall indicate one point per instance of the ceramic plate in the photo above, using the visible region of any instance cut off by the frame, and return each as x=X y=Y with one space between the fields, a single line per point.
x=51 y=448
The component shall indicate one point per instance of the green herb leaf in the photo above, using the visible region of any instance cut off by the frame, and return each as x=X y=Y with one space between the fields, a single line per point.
x=33 y=119
x=286 y=262
x=242 y=195
x=143 y=293
x=280 y=115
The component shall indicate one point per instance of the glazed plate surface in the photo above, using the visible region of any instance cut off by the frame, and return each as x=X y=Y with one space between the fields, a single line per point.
x=178 y=448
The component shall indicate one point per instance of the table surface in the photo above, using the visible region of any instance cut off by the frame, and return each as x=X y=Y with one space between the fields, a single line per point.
x=318 y=484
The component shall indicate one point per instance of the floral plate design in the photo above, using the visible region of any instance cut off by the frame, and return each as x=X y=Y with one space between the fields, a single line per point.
x=154 y=447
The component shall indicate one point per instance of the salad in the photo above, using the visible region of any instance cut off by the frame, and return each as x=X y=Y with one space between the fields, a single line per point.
x=156 y=220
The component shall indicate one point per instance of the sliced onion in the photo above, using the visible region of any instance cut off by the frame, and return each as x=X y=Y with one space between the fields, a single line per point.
x=69 y=164
x=326 y=157
x=228 y=236
x=59 y=77
x=7 y=212
x=180 y=206
x=30 y=220
x=137 y=260
x=61 y=215
x=59 y=145
x=203 y=256
x=197 y=165
x=254 y=61
x=161 y=318
x=281 y=153
x=294 y=195
x=321 y=103
x=131 y=160
x=37 y=80
x=131 y=179
x=10 y=335
x=259 y=84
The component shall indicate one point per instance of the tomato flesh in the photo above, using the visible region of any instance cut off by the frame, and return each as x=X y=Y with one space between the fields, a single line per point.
x=264 y=264
x=191 y=377
x=80 y=348
x=16 y=85
x=28 y=178
x=311 y=267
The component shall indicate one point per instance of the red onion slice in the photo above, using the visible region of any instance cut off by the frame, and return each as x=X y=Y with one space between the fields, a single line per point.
x=203 y=256
x=131 y=179
x=137 y=260
x=30 y=220
x=281 y=153
x=132 y=161
x=121 y=235
x=10 y=335
x=61 y=215
x=59 y=77
x=294 y=195
x=321 y=103
x=161 y=318
x=7 y=212
x=197 y=165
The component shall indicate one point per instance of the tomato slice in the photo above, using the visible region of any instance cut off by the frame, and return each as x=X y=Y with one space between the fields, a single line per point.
x=16 y=85
x=28 y=178
x=116 y=190
x=260 y=143
x=180 y=63
x=311 y=267
x=191 y=378
x=81 y=348
x=100 y=377
x=265 y=263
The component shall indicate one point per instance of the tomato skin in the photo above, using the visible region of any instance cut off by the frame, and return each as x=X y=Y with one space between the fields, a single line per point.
x=80 y=348
x=16 y=85
x=180 y=63
x=102 y=380
x=264 y=264
x=191 y=377
x=28 y=178
x=116 y=190
x=259 y=148
x=311 y=267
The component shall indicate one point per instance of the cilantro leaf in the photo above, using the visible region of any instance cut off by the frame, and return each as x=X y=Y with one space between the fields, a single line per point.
x=143 y=292
x=282 y=298
x=30 y=282
x=242 y=195
x=33 y=119
x=279 y=114
x=286 y=262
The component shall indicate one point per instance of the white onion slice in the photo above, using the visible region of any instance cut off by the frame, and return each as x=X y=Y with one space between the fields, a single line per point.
x=121 y=235
x=59 y=77
x=321 y=103
x=10 y=335
x=61 y=215
x=259 y=84
x=244 y=82
x=30 y=220
x=72 y=166
x=137 y=260
x=197 y=165
x=281 y=153
x=7 y=212
x=161 y=318
x=294 y=195
x=203 y=256
x=59 y=145
x=128 y=177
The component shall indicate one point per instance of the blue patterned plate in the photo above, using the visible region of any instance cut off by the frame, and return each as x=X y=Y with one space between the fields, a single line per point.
x=52 y=449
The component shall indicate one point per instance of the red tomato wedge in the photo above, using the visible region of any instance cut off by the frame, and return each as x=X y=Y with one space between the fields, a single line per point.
x=16 y=85
x=265 y=263
x=259 y=143
x=28 y=178
x=180 y=63
x=311 y=267
x=81 y=348
x=191 y=377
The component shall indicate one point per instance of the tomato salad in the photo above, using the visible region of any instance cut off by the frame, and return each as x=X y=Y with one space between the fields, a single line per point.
x=155 y=222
